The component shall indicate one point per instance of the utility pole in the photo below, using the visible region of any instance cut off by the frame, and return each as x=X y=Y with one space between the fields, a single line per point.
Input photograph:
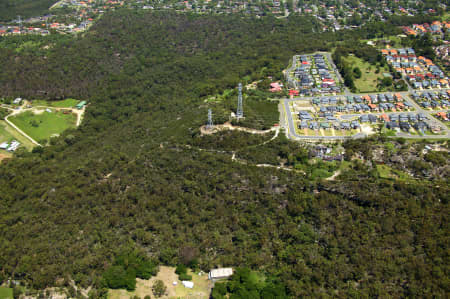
x=240 y=109
x=210 y=124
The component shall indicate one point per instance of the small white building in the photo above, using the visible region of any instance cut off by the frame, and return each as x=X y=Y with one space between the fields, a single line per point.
x=220 y=273
x=17 y=101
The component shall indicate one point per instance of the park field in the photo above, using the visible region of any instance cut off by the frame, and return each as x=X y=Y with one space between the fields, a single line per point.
x=369 y=78
x=44 y=124
x=67 y=103
x=6 y=293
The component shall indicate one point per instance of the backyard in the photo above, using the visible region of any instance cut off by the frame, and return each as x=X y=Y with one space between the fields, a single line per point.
x=41 y=124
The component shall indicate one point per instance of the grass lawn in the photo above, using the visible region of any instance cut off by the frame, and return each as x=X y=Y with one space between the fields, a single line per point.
x=7 y=134
x=201 y=290
x=67 y=103
x=43 y=125
x=6 y=293
x=387 y=172
x=369 y=79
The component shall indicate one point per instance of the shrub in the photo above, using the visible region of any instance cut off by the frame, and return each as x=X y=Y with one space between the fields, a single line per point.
x=184 y=276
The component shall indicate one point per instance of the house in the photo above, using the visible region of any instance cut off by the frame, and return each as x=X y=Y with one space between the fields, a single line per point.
x=420 y=126
x=17 y=101
x=355 y=124
x=345 y=126
x=324 y=125
x=392 y=125
x=404 y=126
x=313 y=125
x=364 y=118
x=275 y=87
x=384 y=118
x=220 y=273
x=372 y=118
x=303 y=125
x=442 y=115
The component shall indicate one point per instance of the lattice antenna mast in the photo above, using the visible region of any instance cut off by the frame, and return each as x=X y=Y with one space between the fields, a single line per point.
x=20 y=23
x=240 y=110
x=210 y=124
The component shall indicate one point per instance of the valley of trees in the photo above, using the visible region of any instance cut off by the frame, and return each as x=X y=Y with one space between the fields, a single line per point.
x=10 y=9
x=132 y=180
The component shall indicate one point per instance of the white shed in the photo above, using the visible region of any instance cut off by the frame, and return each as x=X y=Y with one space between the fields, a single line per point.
x=220 y=273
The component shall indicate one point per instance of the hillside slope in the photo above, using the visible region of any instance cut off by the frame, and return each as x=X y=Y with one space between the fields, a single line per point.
x=128 y=179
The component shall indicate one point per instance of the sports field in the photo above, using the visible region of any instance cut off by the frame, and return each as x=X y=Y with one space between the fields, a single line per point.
x=42 y=124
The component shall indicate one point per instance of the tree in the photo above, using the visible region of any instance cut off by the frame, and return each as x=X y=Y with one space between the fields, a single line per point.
x=158 y=288
x=387 y=81
x=357 y=72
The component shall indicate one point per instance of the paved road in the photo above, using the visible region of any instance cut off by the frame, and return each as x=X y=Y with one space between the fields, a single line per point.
x=291 y=132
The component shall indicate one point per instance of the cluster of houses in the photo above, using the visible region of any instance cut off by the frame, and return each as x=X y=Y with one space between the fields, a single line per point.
x=420 y=71
x=324 y=153
x=364 y=103
x=313 y=75
x=16 y=30
x=402 y=121
x=436 y=28
x=10 y=147
x=45 y=29
x=432 y=99
x=443 y=53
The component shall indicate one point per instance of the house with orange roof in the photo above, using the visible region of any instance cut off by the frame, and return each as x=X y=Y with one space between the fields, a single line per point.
x=394 y=52
x=373 y=107
x=384 y=52
x=398 y=96
x=384 y=118
x=400 y=105
x=442 y=115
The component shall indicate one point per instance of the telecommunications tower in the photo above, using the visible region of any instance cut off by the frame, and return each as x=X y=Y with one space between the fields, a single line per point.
x=210 y=124
x=240 y=110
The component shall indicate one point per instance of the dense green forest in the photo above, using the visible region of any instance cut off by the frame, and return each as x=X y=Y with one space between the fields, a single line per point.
x=134 y=178
x=10 y=9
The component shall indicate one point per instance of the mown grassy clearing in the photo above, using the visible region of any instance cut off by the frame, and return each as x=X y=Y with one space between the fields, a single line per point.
x=43 y=125
x=387 y=172
x=369 y=78
x=6 y=293
x=67 y=103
